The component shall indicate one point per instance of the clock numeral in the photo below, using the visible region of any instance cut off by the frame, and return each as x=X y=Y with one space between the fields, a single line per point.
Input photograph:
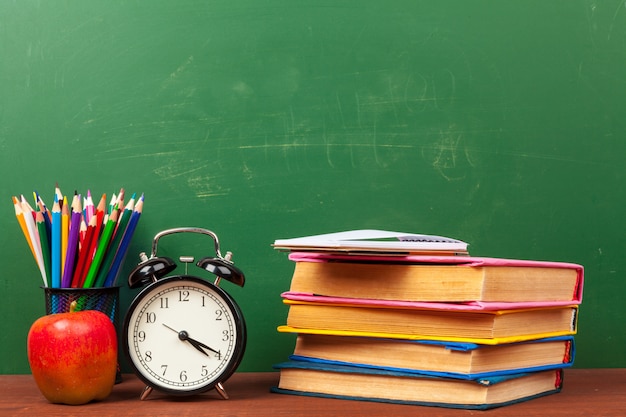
x=218 y=355
x=150 y=317
x=165 y=302
x=225 y=335
x=218 y=315
x=141 y=336
x=183 y=376
x=164 y=367
x=148 y=356
x=183 y=295
x=204 y=371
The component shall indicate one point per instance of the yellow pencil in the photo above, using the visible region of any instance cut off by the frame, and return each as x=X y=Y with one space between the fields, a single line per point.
x=19 y=213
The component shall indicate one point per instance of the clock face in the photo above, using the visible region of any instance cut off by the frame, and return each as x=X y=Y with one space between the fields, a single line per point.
x=184 y=335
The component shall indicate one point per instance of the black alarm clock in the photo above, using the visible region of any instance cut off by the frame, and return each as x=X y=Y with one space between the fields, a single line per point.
x=182 y=334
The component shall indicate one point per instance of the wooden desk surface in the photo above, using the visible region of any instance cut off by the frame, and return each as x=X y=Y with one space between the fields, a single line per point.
x=586 y=392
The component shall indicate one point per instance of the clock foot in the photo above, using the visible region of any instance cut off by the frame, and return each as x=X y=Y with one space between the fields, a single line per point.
x=146 y=391
x=221 y=391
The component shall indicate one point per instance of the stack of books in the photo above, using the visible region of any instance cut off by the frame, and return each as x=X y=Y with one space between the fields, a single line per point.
x=414 y=319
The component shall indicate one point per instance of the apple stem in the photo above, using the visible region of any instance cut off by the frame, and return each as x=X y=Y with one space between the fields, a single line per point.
x=73 y=305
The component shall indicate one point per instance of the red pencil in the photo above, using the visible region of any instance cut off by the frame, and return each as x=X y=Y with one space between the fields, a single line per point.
x=72 y=241
x=99 y=219
x=83 y=254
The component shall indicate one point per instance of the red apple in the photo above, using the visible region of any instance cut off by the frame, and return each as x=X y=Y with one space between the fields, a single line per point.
x=73 y=356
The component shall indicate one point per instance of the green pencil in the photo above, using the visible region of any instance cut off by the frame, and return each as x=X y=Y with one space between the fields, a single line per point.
x=115 y=242
x=103 y=244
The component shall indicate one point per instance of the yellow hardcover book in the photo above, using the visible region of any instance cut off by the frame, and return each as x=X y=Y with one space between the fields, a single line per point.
x=476 y=326
x=492 y=341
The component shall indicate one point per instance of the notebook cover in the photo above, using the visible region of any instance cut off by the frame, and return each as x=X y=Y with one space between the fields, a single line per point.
x=373 y=240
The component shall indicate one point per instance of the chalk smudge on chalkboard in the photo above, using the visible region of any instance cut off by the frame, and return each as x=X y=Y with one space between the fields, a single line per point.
x=622 y=5
x=201 y=184
x=450 y=156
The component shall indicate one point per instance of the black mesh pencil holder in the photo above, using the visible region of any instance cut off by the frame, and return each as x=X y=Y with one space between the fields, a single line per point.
x=105 y=300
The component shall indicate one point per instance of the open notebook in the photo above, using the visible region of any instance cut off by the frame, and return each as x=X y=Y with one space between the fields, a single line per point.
x=376 y=241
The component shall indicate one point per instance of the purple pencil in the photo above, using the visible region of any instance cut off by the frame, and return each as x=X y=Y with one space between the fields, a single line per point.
x=72 y=242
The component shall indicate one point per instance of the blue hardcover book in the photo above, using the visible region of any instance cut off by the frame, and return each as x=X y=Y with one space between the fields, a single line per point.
x=368 y=384
x=437 y=358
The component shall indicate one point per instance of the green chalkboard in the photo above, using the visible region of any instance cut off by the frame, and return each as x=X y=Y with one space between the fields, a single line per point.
x=500 y=123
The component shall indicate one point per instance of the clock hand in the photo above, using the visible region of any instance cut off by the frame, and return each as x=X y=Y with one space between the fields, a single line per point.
x=193 y=343
x=200 y=346
x=184 y=336
x=165 y=325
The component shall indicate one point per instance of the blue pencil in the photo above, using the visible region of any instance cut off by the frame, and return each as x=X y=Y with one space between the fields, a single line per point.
x=123 y=246
x=55 y=245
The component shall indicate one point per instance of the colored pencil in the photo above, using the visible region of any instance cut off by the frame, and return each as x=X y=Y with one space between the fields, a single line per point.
x=109 y=210
x=120 y=228
x=27 y=207
x=83 y=254
x=34 y=237
x=100 y=220
x=89 y=208
x=58 y=194
x=55 y=245
x=122 y=249
x=65 y=228
x=118 y=233
x=72 y=242
x=19 y=214
x=103 y=244
x=43 y=240
x=83 y=230
x=44 y=210
x=100 y=216
x=120 y=198
x=76 y=244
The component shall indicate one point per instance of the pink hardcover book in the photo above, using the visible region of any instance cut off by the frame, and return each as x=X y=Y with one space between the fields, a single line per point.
x=424 y=305
x=435 y=260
